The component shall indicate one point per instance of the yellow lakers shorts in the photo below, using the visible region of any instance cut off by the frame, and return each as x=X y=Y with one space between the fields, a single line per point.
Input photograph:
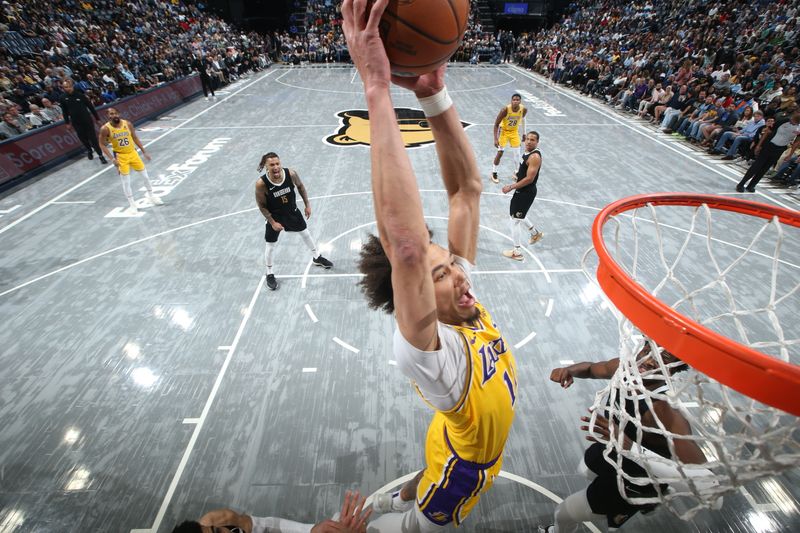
x=451 y=487
x=128 y=160
x=508 y=138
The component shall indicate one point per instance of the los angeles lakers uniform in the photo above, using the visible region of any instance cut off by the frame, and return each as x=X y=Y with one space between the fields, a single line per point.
x=464 y=446
x=123 y=147
x=509 y=127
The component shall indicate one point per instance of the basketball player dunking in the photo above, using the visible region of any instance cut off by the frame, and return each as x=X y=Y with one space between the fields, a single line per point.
x=524 y=194
x=445 y=341
x=276 y=200
x=506 y=131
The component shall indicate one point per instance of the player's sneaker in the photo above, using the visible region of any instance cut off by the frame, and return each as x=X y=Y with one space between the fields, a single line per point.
x=155 y=200
x=514 y=254
x=495 y=178
x=272 y=283
x=132 y=210
x=389 y=502
x=536 y=237
x=322 y=262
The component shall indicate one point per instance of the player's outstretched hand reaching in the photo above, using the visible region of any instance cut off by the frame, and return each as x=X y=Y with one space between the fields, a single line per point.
x=561 y=375
x=360 y=24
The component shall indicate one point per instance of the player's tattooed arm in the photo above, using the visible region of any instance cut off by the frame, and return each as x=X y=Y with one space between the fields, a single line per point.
x=261 y=202
x=302 y=190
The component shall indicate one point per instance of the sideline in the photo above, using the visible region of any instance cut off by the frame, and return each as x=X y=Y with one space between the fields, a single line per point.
x=110 y=166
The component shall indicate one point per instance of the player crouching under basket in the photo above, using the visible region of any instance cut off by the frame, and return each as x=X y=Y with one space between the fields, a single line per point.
x=638 y=410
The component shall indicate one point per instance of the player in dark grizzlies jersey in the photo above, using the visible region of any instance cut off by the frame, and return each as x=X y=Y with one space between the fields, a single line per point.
x=524 y=194
x=276 y=199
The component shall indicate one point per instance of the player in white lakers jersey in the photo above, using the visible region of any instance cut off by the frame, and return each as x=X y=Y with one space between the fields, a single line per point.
x=445 y=341
x=506 y=131
x=122 y=136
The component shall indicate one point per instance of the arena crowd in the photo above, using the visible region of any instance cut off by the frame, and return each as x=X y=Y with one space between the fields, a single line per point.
x=110 y=51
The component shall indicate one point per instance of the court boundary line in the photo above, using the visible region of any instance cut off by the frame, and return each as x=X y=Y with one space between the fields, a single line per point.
x=110 y=166
x=187 y=453
x=339 y=195
x=644 y=133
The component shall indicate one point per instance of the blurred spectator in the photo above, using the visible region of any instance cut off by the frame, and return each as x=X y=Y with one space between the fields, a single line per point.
x=37 y=118
x=11 y=126
x=132 y=45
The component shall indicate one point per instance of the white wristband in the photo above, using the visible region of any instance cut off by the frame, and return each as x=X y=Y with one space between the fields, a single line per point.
x=436 y=104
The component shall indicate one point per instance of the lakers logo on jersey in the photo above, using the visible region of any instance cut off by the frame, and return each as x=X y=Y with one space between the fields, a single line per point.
x=354 y=130
x=513 y=118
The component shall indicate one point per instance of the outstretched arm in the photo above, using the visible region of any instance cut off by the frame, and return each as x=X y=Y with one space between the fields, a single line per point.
x=398 y=207
x=602 y=370
x=456 y=159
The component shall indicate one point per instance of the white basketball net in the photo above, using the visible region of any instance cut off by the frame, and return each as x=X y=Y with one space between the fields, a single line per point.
x=745 y=291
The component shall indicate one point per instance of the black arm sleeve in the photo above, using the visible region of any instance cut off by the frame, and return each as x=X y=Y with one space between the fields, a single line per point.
x=90 y=106
x=65 y=112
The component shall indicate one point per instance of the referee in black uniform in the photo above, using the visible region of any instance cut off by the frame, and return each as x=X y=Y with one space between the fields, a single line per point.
x=78 y=112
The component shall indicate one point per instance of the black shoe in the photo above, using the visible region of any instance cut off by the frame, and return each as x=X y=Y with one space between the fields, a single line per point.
x=750 y=189
x=727 y=158
x=739 y=188
x=322 y=262
x=103 y=160
x=272 y=283
x=91 y=155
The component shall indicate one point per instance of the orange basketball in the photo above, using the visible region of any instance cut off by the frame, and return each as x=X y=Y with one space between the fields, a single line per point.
x=420 y=35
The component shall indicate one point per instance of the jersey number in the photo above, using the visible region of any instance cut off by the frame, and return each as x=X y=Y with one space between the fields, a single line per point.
x=124 y=141
x=512 y=122
x=284 y=200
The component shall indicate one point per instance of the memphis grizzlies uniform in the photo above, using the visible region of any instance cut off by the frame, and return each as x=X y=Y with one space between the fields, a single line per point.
x=465 y=442
x=123 y=147
x=523 y=197
x=509 y=127
x=282 y=204
x=603 y=492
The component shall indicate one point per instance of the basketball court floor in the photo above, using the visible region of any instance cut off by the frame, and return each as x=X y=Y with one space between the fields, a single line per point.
x=149 y=376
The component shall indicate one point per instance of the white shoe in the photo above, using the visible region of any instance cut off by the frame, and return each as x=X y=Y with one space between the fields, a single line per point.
x=382 y=503
x=387 y=502
x=155 y=200
x=514 y=254
x=536 y=237
x=132 y=210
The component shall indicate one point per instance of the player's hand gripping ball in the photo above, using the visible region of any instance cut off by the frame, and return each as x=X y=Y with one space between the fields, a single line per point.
x=421 y=35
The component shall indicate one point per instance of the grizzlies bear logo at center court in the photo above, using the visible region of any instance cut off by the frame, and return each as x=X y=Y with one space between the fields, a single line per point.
x=354 y=130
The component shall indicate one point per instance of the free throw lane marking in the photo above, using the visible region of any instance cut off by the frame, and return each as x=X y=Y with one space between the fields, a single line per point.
x=344 y=345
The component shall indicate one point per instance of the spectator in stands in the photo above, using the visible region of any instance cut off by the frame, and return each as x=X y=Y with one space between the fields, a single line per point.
x=672 y=109
x=52 y=112
x=37 y=118
x=11 y=127
x=744 y=134
x=109 y=94
x=724 y=122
